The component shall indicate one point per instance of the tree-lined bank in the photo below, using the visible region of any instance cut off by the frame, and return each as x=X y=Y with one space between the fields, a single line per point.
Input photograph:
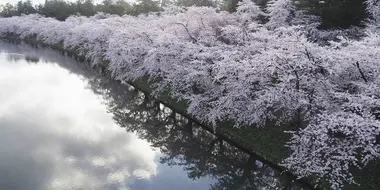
x=281 y=75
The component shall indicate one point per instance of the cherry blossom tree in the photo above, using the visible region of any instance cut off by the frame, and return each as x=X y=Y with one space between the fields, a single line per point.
x=280 y=13
x=373 y=7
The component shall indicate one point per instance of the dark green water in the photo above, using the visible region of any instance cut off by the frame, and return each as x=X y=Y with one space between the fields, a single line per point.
x=65 y=126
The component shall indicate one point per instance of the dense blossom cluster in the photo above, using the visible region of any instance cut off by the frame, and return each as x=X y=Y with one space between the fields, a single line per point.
x=232 y=67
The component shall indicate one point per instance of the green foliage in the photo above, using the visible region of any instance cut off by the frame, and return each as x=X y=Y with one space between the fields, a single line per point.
x=119 y=7
x=25 y=8
x=336 y=13
x=145 y=6
x=333 y=13
x=8 y=10
x=21 y=7
x=232 y=5
x=59 y=9
x=188 y=3
x=85 y=7
x=62 y=9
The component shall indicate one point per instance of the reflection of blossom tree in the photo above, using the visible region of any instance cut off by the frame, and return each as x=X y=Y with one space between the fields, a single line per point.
x=14 y=57
x=185 y=144
x=17 y=57
x=199 y=152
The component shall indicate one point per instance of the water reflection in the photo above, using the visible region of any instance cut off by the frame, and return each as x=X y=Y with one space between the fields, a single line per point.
x=56 y=134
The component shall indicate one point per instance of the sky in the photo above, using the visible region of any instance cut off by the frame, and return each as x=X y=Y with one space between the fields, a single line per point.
x=36 y=1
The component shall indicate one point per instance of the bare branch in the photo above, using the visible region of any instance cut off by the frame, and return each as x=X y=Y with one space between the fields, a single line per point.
x=188 y=32
x=308 y=54
x=361 y=72
x=298 y=80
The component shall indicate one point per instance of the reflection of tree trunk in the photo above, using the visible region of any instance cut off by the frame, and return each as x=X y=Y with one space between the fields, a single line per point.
x=212 y=144
x=172 y=129
x=156 y=109
x=146 y=100
x=288 y=182
x=172 y=115
x=189 y=128
x=248 y=167
x=287 y=185
x=221 y=146
x=157 y=105
x=168 y=123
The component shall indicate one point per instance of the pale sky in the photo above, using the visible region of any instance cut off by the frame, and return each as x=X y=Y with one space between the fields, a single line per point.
x=37 y=1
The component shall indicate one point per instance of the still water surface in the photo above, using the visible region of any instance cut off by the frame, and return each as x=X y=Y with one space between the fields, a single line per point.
x=64 y=126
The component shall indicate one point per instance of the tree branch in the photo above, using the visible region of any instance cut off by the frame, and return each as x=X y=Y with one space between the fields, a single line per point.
x=146 y=37
x=361 y=72
x=188 y=32
x=298 y=80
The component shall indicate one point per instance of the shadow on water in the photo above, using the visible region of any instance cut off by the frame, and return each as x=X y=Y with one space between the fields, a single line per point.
x=183 y=143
